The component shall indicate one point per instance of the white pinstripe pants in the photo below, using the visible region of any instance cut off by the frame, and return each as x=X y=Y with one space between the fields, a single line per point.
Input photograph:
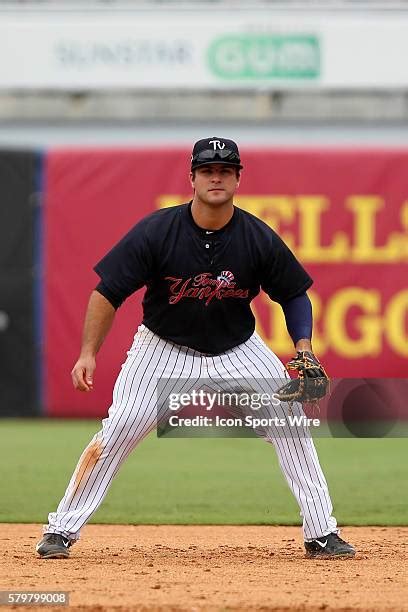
x=133 y=414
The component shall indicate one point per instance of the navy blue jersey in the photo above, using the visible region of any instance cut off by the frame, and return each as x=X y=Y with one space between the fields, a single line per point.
x=200 y=283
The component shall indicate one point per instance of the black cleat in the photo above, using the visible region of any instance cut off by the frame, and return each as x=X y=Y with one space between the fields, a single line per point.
x=329 y=547
x=53 y=546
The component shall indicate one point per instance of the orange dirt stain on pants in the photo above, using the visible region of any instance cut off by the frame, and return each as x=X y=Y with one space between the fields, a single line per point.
x=88 y=462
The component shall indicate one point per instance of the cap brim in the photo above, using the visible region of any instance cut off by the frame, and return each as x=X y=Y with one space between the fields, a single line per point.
x=219 y=162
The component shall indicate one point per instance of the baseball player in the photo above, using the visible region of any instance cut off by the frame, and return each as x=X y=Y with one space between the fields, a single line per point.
x=202 y=263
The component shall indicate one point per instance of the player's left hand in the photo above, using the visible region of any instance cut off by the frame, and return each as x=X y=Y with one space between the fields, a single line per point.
x=312 y=383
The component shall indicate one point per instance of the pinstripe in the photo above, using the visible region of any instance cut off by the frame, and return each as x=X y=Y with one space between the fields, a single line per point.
x=110 y=434
x=137 y=407
x=152 y=423
x=318 y=518
x=311 y=456
x=235 y=412
x=186 y=353
x=287 y=452
x=238 y=412
x=130 y=361
x=123 y=445
x=116 y=453
x=113 y=435
x=138 y=339
x=120 y=454
x=284 y=455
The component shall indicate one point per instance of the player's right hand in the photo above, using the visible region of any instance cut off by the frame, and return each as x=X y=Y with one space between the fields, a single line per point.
x=82 y=373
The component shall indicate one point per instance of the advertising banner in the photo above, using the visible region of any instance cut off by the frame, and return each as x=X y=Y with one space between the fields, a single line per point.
x=343 y=212
x=203 y=48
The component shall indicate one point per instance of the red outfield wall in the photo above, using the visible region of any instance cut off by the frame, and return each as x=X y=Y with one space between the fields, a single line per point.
x=344 y=213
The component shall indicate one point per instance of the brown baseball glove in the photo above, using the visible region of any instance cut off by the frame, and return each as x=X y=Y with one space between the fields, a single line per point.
x=312 y=383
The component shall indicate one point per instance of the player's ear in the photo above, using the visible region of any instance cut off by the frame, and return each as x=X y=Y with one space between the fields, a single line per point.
x=192 y=177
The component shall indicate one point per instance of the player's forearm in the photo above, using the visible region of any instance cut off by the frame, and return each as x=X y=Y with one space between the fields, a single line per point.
x=299 y=321
x=98 y=321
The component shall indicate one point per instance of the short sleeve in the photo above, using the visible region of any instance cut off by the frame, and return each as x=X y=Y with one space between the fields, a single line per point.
x=128 y=266
x=283 y=277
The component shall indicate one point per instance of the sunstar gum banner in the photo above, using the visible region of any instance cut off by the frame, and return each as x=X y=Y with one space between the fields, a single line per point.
x=343 y=212
x=202 y=48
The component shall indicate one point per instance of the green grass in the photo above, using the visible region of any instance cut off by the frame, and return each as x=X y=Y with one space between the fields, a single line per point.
x=204 y=481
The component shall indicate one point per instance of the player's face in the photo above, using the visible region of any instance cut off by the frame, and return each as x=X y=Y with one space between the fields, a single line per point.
x=215 y=184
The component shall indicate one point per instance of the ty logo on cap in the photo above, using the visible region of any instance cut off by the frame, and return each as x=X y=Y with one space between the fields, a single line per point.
x=217 y=144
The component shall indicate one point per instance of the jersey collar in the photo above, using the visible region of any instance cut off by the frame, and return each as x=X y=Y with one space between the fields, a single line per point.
x=210 y=233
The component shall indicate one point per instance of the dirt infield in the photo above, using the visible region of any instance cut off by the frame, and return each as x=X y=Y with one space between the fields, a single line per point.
x=197 y=568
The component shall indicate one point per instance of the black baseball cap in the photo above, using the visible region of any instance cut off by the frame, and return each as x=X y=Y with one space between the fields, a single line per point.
x=215 y=150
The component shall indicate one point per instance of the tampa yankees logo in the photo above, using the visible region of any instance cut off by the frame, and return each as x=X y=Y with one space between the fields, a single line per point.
x=217 y=144
x=225 y=278
x=204 y=287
